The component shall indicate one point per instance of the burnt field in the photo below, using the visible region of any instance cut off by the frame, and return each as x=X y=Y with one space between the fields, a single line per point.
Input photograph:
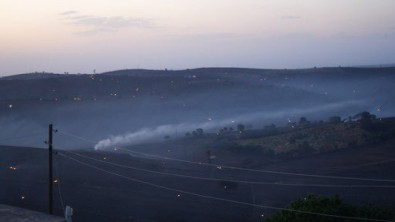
x=111 y=192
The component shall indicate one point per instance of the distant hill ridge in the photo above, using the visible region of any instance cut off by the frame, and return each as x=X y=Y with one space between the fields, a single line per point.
x=29 y=76
x=208 y=71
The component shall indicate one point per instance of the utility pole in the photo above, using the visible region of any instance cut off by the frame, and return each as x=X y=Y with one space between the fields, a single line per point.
x=50 y=178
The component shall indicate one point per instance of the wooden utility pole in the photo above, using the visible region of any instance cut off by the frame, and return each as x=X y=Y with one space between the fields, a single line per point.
x=50 y=177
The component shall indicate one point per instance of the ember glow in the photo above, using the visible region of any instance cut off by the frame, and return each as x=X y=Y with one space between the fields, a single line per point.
x=12 y=168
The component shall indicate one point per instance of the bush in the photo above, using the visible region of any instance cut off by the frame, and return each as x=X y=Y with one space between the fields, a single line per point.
x=330 y=205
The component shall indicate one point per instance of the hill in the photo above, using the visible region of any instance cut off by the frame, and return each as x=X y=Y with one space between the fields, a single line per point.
x=31 y=76
x=321 y=137
x=131 y=100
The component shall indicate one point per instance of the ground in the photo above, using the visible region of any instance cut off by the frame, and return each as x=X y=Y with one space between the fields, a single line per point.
x=99 y=196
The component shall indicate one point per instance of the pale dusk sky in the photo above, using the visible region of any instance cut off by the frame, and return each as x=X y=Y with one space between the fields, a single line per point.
x=78 y=36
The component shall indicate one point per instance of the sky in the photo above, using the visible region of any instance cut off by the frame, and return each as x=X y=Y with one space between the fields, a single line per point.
x=79 y=36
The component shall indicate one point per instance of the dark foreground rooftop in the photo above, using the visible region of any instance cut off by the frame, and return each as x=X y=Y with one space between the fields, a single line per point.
x=16 y=214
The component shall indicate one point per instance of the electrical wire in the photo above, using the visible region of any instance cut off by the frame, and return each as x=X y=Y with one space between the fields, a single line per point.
x=232 y=180
x=218 y=198
x=260 y=170
x=77 y=137
x=244 y=169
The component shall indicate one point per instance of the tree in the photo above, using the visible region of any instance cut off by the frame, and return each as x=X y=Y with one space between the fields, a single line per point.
x=366 y=120
x=303 y=121
x=329 y=205
x=292 y=124
x=199 y=131
x=240 y=128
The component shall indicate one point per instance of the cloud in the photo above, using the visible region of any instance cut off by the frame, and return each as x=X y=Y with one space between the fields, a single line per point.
x=99 y=24
x=207 y=36
x=95 y=31
x=291 y=17
x=111 y=22
x=68 y=13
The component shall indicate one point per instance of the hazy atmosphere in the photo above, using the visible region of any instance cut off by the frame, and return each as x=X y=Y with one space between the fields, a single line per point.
x=82 y=36
x=197 y=111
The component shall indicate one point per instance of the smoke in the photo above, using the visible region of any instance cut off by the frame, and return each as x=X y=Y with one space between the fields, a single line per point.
x=142 y=135
x=159 y=132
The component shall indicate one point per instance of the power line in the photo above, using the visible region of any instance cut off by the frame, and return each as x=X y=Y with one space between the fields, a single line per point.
x=218 y=198
x=233 y=180
x=77 y=137
x=243 y=169
x=365 y=164
x=259 y=170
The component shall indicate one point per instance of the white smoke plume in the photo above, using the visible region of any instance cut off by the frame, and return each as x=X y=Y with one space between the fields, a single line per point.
x=150 y=134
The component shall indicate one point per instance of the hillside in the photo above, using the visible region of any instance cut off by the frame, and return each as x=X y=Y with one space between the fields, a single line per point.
x=127 y=101
x=321 y=137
